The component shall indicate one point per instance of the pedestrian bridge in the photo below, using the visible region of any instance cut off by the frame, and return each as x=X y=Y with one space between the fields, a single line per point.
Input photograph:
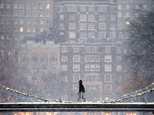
x=75 y=107
x=45 y=105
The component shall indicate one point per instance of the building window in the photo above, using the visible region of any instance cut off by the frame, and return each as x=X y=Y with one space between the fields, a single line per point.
x=91 y=9
x=15 y=6
x=91 y=49
x=21 y=22
x=118 y=50
x=83 y=18
x=9 y=53
x=119 y=7
x=107 y=49
x=75 y=87
x=107 y=77
x=72 y=35
x=1 y=5
x=76 y=58
x=61 y=26
x=42 y=22
x=72 y=17
x=40 y=6
x=113 y=27
x=101 y=18
x=91 y=35
x=83 y=26
x=47 y=14
x=19 y=13
x=145 y=6
x=41 y=29
x=125 y=51
x=119 y=14
x=108 y=68
x=64 y=67
x=102 y=35
x=118 y=58
x=83 y=35
x=71 y=8
x=40 y=15
x=47 y=6
x=112 y=35
x=2 y=37
x=91 y=18
x=64 y=49
x=72 y=26
x=76 y=67
x=64 y=58
x=76 y=49
x=60 y=8
x=102 y=26
x=107 y=58
x=91 y=26
x=8 y=6
x=92 y=76
x=127 y=14
x=92 y=58
x=65 y=78
x=76 y=77
x=83 y=8
x=92 y=67
x=61 y=34
x=61 y=17
x=108 y=88
x=28 y=29
x=34 y=30
x=20 y=6
x=119 y=68
x=2 y=53
x=102 y=8
x=21 y=29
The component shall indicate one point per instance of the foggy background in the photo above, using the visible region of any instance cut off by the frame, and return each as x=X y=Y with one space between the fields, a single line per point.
x=46 y=46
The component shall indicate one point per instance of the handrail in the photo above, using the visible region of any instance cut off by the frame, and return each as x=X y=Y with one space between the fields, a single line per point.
x=76 y=107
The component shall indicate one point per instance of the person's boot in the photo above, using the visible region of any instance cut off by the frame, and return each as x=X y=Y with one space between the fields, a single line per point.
x=84 y=99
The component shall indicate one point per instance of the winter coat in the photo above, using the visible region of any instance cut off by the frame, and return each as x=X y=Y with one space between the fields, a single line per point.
x=81 y=87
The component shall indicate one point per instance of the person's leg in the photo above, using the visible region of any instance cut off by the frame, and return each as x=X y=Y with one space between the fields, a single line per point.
x=79 y=96
x=83 y=96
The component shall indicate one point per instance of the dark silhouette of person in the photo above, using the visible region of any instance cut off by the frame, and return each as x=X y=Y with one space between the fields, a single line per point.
x=81 y=91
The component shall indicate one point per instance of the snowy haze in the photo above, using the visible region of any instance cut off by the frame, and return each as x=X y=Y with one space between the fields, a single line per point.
x=44 y=54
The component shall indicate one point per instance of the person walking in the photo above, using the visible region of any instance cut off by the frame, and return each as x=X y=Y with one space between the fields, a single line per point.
x=81 y=91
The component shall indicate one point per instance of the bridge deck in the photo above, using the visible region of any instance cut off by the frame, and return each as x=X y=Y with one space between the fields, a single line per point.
x=76 y=107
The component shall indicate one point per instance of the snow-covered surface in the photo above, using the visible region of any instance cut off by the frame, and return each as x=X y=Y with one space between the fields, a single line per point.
x=135 y=103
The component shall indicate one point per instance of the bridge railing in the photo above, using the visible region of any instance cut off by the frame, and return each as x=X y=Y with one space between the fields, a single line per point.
x=76 y=107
